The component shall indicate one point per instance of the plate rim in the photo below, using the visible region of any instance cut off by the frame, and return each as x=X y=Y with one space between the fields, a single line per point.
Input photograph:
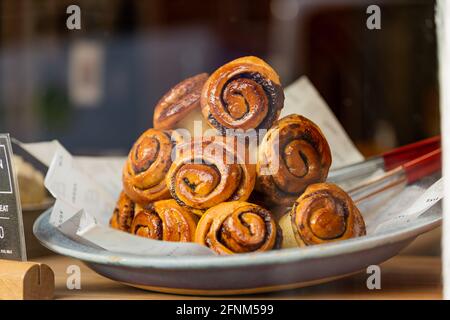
x=274 y=257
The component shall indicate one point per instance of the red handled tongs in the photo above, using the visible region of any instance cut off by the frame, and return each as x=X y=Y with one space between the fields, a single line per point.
x=400 y=176
x=386 y=161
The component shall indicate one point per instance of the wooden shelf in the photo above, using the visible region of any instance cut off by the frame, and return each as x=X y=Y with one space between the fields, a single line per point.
x=402 y=277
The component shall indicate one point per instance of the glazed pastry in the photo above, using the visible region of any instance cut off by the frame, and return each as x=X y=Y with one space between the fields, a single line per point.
x=146 y=167
x=292 y=155
x=245 y=93
x=164 y=220
x=238 y=227
x=323 y=213
x=123 y=213
x=180 y=107
x=209 y=171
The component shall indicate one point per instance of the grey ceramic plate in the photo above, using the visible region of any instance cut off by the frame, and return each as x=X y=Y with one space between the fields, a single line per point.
x=240 y=274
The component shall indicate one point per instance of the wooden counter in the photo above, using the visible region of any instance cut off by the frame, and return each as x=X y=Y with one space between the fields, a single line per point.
x=402 y=277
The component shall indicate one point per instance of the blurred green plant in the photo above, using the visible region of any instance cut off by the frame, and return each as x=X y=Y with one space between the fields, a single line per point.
x=53 y=108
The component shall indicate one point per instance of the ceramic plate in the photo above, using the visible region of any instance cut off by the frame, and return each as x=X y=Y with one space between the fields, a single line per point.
x=244 y=273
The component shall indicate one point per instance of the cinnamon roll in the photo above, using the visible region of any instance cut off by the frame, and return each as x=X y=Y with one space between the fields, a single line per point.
x=180 y=106
x=123 y=213
x=238 y=227
x=164 y=220
x=245 y=93
x=292 y=155
x=146 y=167
x=209 y=171
x=323 y=213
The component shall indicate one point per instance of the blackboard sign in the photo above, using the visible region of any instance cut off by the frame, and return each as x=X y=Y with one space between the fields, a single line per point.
x=12 y=240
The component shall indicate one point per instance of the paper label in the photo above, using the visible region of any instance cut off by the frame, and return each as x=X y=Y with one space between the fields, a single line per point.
x=12 y=239
x=399 y=216
x=106 y=170
x=65 y=181
x=43 y=151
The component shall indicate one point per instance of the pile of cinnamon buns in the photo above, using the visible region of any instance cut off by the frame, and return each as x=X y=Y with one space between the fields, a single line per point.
x=215 y=187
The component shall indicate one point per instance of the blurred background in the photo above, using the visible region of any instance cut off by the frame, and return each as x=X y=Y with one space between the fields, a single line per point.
x=94 y=89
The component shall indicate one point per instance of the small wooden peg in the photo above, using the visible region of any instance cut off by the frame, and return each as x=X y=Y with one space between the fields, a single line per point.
x=26 y=281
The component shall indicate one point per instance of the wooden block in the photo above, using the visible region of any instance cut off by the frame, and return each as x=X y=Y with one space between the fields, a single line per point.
x=26 y=281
